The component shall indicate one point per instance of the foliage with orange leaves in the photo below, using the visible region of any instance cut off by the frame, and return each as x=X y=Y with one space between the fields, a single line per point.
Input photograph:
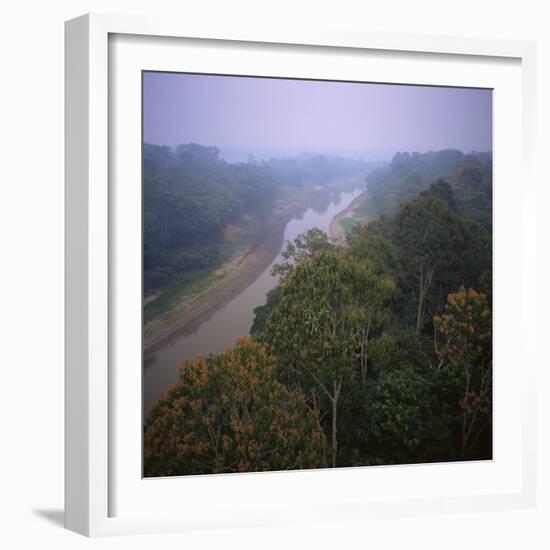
x=467 y=354
x=228 y=413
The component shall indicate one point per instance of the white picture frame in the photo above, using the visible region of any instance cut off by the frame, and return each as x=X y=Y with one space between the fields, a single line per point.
x=93 y=402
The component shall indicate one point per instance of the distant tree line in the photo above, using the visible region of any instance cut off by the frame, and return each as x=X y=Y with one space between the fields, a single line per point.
x=377 y=352
x=190 y=195
x=310 y=169
x=407 y=175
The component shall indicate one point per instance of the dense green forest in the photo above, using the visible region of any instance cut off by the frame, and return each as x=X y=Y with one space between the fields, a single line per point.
x=191 y=196
x=374 y=352
x=408 y=175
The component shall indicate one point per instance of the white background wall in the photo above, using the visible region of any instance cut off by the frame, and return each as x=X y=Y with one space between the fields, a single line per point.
x=31 y=272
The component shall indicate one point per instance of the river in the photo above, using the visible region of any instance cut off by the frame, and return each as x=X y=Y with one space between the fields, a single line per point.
x=235 y=318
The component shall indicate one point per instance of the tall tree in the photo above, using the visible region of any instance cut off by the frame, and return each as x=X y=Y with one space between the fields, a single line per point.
x=228 y=413
x=429 y=235
x=320 y=330
x=466 y=327
x=303 y=246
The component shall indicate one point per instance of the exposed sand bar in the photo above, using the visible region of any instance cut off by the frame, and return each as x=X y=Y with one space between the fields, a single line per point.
x=336 y=231
x=239 y=271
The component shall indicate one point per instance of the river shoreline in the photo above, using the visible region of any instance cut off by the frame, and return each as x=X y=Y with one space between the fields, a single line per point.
x=336 y=232
x=240 y=270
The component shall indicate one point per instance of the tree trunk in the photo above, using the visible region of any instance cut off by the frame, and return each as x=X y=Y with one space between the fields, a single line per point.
x=420 y=300
x=334 y=433
x=364 y=352
x=316 y=408
x=336 y=394
x=423 y=287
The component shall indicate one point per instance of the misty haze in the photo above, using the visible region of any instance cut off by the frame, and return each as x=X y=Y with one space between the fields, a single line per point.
x=317 y=274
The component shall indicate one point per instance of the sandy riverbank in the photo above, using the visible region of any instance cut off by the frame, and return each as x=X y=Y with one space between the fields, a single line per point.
x=239 y=271
x=233 y=277
x=336 y=231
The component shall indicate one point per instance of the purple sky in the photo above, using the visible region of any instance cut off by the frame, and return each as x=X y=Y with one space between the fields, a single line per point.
x=273 y=117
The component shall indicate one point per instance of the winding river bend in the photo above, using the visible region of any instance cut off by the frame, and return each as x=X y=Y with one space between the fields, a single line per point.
x=235 y=318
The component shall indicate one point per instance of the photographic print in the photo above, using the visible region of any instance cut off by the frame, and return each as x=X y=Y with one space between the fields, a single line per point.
x=317 y=274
